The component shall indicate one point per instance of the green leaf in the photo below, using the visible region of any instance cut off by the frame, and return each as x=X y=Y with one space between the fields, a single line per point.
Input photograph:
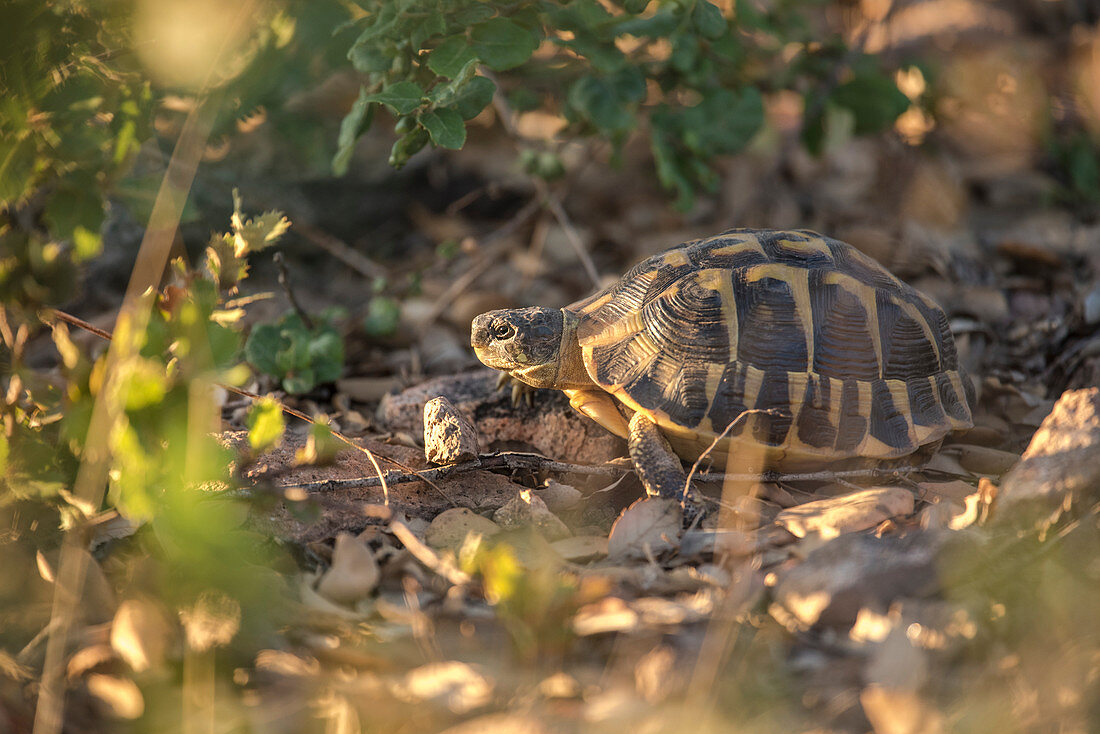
x=16 y=167
x=502 y=44
x=875 y=100
x=407 y=146
x=299 y=383
x=266 y=425
x=402 y=97
x=446 y=127
x=71 y=207
x=321 y=446
x=708 y=19
x=326 y=355
x=473 y=97
x=597 y=102
x=383 y=316
x=5 y=452
x=352 y=127
x=449 y=58
x=262 y=348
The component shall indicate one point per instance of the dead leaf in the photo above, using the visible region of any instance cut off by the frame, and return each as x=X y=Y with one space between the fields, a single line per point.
x=459 y=686
x=499 y=724
x=848 y=513
x=899 y=712
x=527 y=509
x=140 y=634
x=354 y=572
x=610 y=614
x=120 y=696
x=648 y=527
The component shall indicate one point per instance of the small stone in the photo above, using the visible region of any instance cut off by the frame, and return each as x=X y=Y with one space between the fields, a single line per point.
x=528 y=510
x=354 y=572
x=449 y=437
x=985 y=460
x=581 y=548
x=1063 y=458
x=560 y=497
x=450 y=528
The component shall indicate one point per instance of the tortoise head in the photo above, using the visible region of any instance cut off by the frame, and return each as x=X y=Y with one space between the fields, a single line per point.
x=528 y=344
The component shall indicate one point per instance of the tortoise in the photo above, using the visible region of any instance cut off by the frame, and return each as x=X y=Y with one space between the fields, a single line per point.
x=789 y=348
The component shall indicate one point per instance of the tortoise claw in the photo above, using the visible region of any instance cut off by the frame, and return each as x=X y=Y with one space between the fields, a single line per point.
x=521 y=391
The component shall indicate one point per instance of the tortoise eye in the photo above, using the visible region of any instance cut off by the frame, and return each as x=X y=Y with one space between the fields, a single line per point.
x=502 y=330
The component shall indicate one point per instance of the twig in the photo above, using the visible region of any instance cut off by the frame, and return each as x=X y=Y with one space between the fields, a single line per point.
x=720 y=436
x=427 y=556
x=493 y=247
x=553 y=202
x=284 y=281
x=381 y=478
x=340 y=250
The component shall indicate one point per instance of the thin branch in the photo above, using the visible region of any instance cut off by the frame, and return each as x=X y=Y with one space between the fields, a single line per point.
x=284 y=281
x=553 y=201
x=343 y=252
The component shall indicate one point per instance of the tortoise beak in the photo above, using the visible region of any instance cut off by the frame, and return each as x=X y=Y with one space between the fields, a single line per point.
x=479 y=331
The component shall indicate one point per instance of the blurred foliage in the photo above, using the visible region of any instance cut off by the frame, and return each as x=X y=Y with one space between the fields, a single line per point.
x=687 y=73
x=165 y=457
x=299 y=356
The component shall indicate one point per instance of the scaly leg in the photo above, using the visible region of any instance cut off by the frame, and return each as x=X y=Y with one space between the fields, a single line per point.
x=600 y=407
x=658 y=467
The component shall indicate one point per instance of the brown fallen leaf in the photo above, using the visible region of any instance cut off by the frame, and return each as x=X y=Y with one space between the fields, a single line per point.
x=648 y=527
x=529 y=510
x=354 y=572
x=848 y=513
x=140 y=634
x=985 y=460
x=458 y=686
x=119 y=696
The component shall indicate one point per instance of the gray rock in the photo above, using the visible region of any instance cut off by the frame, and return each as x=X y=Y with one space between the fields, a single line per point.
x=449 y=437
x=1063 y=459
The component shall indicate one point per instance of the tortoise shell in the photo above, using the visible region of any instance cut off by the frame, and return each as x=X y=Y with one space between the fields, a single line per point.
x=851 y=362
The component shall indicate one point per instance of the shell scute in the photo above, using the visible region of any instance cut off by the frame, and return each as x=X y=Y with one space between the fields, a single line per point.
x=848 y=360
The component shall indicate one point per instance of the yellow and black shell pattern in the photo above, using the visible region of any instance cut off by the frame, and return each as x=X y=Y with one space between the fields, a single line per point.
x=852 y=362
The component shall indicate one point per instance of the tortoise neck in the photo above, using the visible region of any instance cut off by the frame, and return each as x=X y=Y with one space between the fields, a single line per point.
x=572 y=373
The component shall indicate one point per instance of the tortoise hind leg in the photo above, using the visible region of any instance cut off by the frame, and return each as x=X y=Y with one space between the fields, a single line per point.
x=658 y=467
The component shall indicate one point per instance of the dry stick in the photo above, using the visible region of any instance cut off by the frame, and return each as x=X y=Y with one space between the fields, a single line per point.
x=489 y=257
x=284 y=281
x=336 y=247
x=381 y=476
x=553 y=202
x=132 y=320
x=720 y=436
x=426 y=555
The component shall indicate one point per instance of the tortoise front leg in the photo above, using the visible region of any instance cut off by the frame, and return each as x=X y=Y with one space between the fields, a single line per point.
x=657 y=464
x=600 y=407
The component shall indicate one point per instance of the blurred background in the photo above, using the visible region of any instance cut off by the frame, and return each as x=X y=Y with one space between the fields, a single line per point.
x=434 y=159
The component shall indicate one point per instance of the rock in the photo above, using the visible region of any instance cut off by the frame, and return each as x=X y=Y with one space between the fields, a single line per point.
x=451 y=528
x=581 y=548
x=1063 y=458
x=852 y=572
x=525 y=510
x=449 y=437
x=560 y=497
x=848 y=513
x=550 y=426
x=985 y=460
